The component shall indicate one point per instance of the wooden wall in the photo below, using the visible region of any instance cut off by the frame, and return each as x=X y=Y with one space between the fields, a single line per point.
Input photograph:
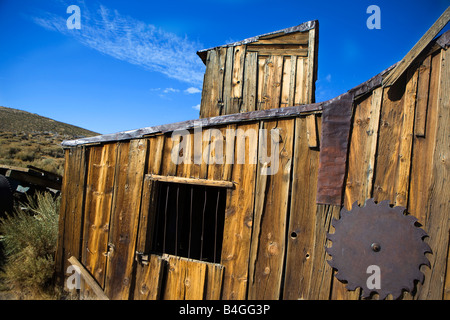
x=275 y=71
x=275 y=233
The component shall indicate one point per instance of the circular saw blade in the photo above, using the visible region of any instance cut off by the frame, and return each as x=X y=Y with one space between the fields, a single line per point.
x=378 y=237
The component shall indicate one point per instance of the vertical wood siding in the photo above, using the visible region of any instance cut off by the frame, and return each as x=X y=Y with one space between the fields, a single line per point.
x=274 y=233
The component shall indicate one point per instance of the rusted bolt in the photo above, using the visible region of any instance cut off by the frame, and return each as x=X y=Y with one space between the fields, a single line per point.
x=376 y=247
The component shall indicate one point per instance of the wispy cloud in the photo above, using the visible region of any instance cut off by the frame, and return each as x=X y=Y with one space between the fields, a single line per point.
x=192 y=90
x=133 y=41
x=196 y=107
x=170 y=90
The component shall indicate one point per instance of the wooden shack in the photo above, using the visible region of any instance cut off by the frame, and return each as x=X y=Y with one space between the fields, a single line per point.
x=145 y=226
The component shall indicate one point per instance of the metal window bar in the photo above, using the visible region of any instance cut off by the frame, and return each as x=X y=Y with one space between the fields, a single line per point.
x=215 y=225
x=203 y=226
x=165 y=219
x=196 y=227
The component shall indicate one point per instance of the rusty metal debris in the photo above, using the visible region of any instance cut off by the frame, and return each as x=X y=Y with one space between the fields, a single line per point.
x=382 y=236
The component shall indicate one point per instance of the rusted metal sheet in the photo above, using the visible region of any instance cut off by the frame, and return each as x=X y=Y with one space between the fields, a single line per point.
x=336 y=121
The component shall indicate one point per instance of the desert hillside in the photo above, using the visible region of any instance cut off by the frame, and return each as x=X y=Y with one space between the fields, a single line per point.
x=30 y=139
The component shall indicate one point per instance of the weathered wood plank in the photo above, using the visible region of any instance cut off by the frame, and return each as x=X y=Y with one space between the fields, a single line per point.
x=59 y=253
x=260 y=101
x=237 y=80
x=170 y=155
x=311 y=131
x=322 y=280
x=207 y=94
x=74 y=209
x=124 y=217
x=260 y=196
x=228 y=80
x=406 y=135
x=389 y=138
x=185 y=279
x=271 y=83
x=89 y=279
x=155 y=154
x=147 y=213
x=311 y=73
x=303 y=213
x=293 y=38
x=250 y=82
x=422 y=97
x=300 y=82
x=362 y=149
x=438 y=204
x=210 y=92
x=99 y=191
x=216 y=156
x=203 y=182
x=238 y=219
x=281 y=49
x=269 y=262
x=286 y=82
x=214 y=277
x=422 y=161
x=149 y=279
x=292 y=80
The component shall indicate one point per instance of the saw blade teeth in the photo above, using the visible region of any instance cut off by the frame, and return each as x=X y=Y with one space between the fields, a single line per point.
x=411 y=219
x=382 y=294
x=334 y=222
x=331 y=263
x=420 y=276
x=425 y=262
x=426 y=248
x=351 y=286
x=369 y=202
x=395 y=294
x=421 y=233
x=385 y=203
x=399 y=210
x=331 y=251
x=339 y=276
x=330 y=236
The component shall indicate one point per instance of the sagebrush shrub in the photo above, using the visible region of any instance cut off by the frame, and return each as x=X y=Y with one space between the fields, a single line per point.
x=29 y=240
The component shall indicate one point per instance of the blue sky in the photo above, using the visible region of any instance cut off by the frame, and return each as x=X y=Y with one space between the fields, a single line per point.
x=133 y=63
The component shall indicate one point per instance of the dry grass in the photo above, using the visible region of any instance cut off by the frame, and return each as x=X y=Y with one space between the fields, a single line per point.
x=29 y=242
x=29 y=139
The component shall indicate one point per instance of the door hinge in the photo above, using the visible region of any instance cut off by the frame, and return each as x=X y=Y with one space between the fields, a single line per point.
x=142 y=258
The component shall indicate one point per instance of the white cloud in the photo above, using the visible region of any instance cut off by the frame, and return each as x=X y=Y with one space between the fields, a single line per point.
x=133 y=41
x=328 y=78
x=196 y=107
x=192 y=90
x=169 y=90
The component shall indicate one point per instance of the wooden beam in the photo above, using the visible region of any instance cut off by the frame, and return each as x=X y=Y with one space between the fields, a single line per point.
x=252 y=116
x=311 y=131
x=440 y=23
x=202 y=182
x=89 y=279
